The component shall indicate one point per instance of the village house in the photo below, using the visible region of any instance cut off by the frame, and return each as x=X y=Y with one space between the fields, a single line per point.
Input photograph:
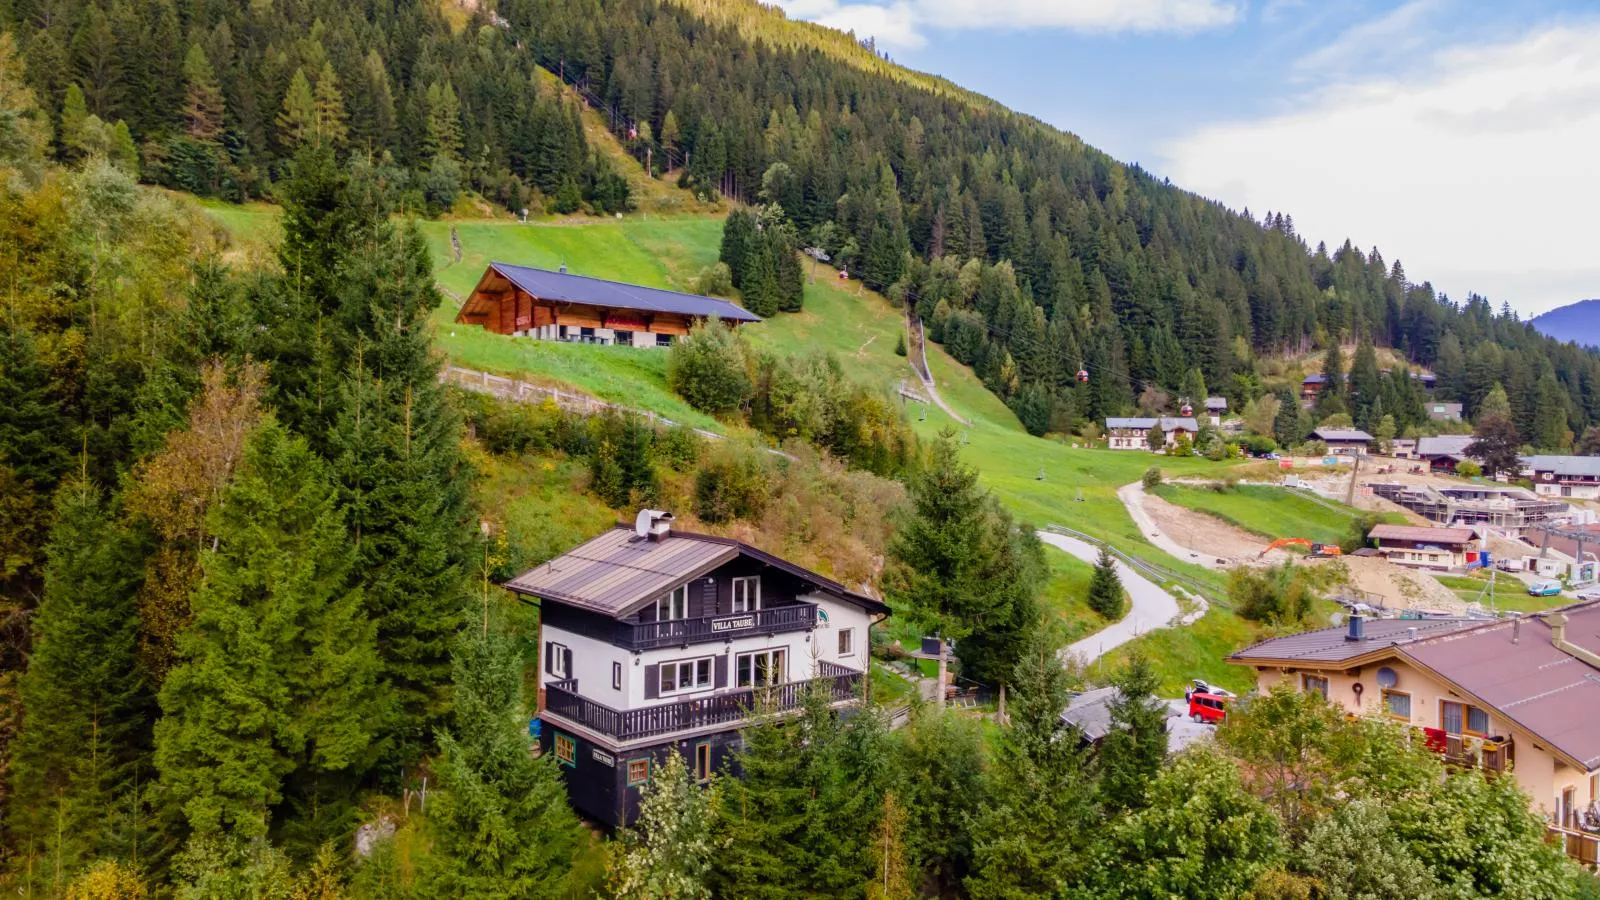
x=1403 y=448
x=1483 y=693
x=1134 y=433
x=1444 y=452
x=1574 y=477
x=1344 y=441
x=1310 y=387
x=655 y=640
x=1444 y=412
x=1216 y=408
x=1423 y=547
x=557 y=306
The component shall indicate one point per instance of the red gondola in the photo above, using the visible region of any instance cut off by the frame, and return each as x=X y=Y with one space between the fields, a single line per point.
x=1083 y=375
x=1186 y=410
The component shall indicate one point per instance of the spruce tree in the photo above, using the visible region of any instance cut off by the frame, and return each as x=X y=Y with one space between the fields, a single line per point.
x=278 y=672
x=297 y=120
x=1331 y=397
x=1286 y=426
x=501 y=827
x=1105 y=586
x=739 y=236
x=1366 y=384
x=35 y=433
x=1136 y=746
x=86 y=704
x=396 y=459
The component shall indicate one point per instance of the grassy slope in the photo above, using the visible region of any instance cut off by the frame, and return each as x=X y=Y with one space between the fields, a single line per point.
x=1269 y=511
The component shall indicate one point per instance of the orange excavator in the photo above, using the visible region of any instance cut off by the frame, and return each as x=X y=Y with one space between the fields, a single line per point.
x=1313 y=549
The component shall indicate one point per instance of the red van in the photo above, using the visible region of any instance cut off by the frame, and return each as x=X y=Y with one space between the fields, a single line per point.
x=1208 y=708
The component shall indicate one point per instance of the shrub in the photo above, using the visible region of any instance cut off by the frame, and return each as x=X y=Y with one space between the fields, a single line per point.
x=1152 y=477
x=731 y=486
x=708 y=368
x=1468 y=469
x=715 y=280
x=1277 y=596
x=900 y=344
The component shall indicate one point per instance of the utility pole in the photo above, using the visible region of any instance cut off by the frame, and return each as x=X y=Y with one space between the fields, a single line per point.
x=1350 y=495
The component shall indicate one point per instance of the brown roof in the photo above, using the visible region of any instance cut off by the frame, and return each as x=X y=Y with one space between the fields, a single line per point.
x=1421 y=533
x=1328 y=645
x=1552 y=694
x=617 y=571
x=1514 y=670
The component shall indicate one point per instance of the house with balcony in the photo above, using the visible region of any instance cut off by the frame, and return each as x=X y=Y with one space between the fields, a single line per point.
x=1126 y=433
x=1344 y=441
x=653 y=639
x=1567 y=477
x=1482 y=693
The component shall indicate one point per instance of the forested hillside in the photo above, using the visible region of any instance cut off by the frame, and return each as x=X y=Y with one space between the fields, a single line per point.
x=1082 y=262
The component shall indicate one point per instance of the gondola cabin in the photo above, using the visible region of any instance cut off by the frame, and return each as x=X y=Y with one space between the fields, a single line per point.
x=559 y=306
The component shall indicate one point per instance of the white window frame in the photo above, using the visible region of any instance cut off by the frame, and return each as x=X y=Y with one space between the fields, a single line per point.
x=742 y=591
x=558 y=661
x=673 y=605
x=694 y=668
x=777 y=659
x=847 y=642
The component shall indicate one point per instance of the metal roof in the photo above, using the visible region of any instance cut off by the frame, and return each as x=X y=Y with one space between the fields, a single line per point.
x=563 y=287
x=1090 y=712
x=1421 y=533
x=1518 y=672
x=1168 y=423
x=1564 y=465
x=619 y=570
x=1328 y=645
x=1444 y=445
x=1217 y=403
x=1341 y=434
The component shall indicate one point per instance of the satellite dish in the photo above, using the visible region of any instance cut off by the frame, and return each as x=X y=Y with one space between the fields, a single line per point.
x=1387 y=677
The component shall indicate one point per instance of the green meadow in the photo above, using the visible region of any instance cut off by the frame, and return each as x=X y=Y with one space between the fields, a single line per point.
x=1270 y=512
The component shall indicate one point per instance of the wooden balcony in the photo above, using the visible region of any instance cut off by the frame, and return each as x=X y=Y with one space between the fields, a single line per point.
x=1487 y=754
x=728 y=708
x=1581 y=846
x=683 y=632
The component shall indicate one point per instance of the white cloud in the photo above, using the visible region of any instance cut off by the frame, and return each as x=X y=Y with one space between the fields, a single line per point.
x=1387 y=38
x=904 y=23
x=1476 y=169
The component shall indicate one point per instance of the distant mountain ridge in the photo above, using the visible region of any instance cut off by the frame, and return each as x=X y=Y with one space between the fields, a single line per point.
x=1578 y=322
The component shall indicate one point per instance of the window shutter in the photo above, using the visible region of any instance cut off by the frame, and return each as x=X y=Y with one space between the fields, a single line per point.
x=616 y=676
x=719 y=675
x=549 y=654
x=566 y=662
x=708 y=598
x=652 y=682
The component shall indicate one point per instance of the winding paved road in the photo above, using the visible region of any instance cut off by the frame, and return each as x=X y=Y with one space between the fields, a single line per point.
x=1151 y=606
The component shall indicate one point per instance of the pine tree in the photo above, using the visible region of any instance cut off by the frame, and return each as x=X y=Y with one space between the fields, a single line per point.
x=34 y=431
x=396 y=459
x=1331 y=397
x=329 y=105
x=86 y=702
x=501 y=827
x=1366 y=384
x=443 y=137
x=203 y=106
x=1135 y=748
x=739 y=236
x=297 y=120
x=278 y=676
x=1105 y=587
x=1286 y=425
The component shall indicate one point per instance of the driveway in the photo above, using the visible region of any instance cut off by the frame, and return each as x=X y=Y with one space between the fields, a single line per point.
x=1132 y=497
x=1151 y=607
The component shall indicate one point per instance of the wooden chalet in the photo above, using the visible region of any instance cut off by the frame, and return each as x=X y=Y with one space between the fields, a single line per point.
x=558 y=306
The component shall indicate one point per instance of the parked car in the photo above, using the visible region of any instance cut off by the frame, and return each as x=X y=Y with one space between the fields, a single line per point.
x=1208 y=709
x=1544 y=588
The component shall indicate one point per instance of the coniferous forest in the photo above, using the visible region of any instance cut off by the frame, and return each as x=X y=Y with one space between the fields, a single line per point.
x=1032 y=254
x=249 y=645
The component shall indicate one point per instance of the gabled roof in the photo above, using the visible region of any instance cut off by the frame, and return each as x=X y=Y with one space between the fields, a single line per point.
x=563 y=287
x=617 y=572
x=1217 y=403
x=1564 y=465
x=1090 y=712
x=1341 y=434
x=1125 y=422
x=1168 y=423
x=1512 y=667
x=1421 y=533
x=1445 y=445
x=1315 y=378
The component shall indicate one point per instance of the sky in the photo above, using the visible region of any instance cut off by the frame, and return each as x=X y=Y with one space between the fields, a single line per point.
x=1461 y=137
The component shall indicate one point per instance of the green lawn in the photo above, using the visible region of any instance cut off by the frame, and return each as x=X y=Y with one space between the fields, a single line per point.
x=1042 y=481
x=1066 y=596
x=1271 y=512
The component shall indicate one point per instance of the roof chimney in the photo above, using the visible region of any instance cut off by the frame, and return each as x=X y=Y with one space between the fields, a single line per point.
x=652 y=524
x=1357 y=628
x=1558 y=628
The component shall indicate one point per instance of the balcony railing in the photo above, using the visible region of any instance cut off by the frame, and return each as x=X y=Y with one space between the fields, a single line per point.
x=683 y=632
x=562 y=698
x=1489 y=755
x=1582 y=846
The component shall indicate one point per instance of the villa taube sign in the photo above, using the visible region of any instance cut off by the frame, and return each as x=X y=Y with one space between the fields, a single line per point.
x=733 y=623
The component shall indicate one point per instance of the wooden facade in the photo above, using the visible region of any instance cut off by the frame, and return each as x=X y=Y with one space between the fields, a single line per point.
x=504 y=306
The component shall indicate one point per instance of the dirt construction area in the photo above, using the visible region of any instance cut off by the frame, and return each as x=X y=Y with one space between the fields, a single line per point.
x=1208 y=540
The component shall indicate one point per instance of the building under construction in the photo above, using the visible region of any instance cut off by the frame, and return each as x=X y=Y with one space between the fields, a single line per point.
x=1505 y=509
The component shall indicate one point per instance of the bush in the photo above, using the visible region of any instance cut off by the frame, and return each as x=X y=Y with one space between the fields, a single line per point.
x=714 y=280
x=732 y=486
x=709 y=368
x=1468 y=469
x=1276 y=596
x=1152 y=477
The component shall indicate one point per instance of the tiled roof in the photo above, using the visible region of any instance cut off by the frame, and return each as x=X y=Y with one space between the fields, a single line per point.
x=619 y=570
x=562 y=287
